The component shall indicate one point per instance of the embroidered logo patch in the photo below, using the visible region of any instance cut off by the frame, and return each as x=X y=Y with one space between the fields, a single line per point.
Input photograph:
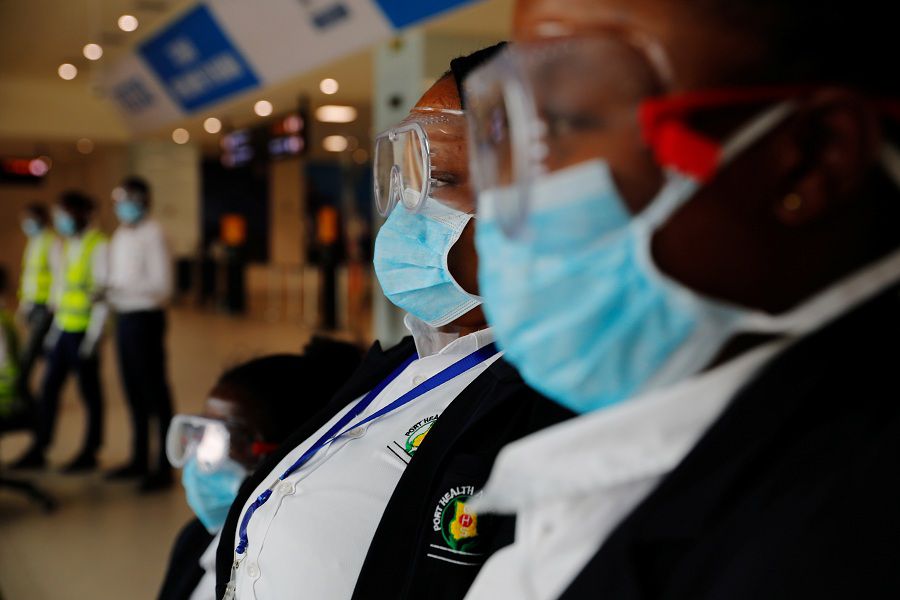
x=457 y=527
x=405 y=447
x=417 y=433
x=457 y=524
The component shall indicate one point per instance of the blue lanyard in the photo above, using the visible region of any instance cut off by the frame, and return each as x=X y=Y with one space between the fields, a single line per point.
x=454 y=370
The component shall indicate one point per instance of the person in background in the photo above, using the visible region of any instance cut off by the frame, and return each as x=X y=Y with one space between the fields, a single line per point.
x=247 y=414
x=140 y=287
x=416 y=428
x=34 y=289
x=688 y=232
x=78 y=323
x=9 y=359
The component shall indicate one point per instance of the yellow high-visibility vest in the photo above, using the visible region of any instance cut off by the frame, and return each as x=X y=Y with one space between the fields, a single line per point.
x=37 y=276
x=73 y=315
x=9 y=365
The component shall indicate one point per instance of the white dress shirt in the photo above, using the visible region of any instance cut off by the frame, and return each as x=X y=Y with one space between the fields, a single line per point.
x=572 y=484
x=312 y=535
x=140 y=268
x=206 y=588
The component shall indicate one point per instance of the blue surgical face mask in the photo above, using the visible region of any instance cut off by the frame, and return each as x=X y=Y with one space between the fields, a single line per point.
x=129 y=211
x=577 y=302
x=210 y=494
x=31 y=227
x=64 y=223
x=410 y=259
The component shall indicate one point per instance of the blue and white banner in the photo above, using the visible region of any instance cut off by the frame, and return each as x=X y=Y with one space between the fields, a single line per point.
x=196 y=61
x=221 y=48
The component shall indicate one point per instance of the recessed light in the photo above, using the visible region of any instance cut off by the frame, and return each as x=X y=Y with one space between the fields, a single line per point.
x=329 y=86
x=334 y=113
x=67 y=71
x=263 y=108
x=92 y=51
x=212 y=125
x=335 y=143
x=181 y=136
x=128 y=23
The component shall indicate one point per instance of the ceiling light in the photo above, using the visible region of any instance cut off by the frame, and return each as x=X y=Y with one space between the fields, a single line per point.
x=128 y=23
x=263 y=108
x=84 y=145
x=333 y=113
x=329 y=86
x=335 y=143
x=181 y=136
x=92 y=51
x=212 y=125
x=67 y=71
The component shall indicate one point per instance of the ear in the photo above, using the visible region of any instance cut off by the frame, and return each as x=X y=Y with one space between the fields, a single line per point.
x=835 y=142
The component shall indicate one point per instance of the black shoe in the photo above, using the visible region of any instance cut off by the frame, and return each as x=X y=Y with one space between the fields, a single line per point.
x=129 y=471
x=156 y=481
x=32 y=459
x=84 y=462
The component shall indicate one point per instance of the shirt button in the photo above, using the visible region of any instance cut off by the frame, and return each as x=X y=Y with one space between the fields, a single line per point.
x=253 y=570
x=286 y=488
x=356 y=432
x=418 y=380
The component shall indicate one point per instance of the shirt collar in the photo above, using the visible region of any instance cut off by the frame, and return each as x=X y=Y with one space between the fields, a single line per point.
x=430 y=341
x=642 y=438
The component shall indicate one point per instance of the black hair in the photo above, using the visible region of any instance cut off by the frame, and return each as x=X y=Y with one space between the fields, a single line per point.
x=282 y=391
x=38 y=212
x=78 y=204
x=139 y=185
x=820 y=41
x=4 y=280
x=461 y=67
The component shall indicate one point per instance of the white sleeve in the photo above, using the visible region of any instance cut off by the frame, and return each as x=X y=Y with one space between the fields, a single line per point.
x=100 y=267
x=159 y=267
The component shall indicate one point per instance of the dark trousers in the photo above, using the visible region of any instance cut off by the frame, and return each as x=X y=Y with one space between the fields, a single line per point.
x=140 y=337
x=62 y=360
x=39 y=320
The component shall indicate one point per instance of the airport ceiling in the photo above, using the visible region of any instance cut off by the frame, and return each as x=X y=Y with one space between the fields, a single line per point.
x=36 y=36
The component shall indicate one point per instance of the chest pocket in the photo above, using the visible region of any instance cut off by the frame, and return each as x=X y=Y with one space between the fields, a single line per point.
x=458 y=541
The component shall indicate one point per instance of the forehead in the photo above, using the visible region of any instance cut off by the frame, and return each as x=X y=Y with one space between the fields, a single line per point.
x=224 y=402
x=443 y=94
x=702 y=48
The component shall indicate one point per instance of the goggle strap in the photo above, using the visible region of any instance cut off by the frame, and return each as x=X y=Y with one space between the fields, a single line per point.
x=678 y=147
x=686 y=151
x=261 y=448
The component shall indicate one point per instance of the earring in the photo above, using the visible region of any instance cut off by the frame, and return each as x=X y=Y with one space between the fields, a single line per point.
x=792 y=202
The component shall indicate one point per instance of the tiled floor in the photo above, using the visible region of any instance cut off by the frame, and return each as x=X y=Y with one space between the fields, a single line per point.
x=106 y=541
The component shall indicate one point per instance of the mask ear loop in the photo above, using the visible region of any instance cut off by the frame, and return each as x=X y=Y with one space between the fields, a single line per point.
x=661 y=211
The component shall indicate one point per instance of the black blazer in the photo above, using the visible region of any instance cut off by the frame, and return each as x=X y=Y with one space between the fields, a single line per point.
x=376 y=365
x=494 y=409
x=184 y=571
x=793 y=493
x=420 y=551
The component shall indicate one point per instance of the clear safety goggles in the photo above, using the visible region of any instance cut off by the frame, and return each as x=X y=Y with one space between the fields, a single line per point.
x=539 y=107
x=211 y=441
x=420 y=158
